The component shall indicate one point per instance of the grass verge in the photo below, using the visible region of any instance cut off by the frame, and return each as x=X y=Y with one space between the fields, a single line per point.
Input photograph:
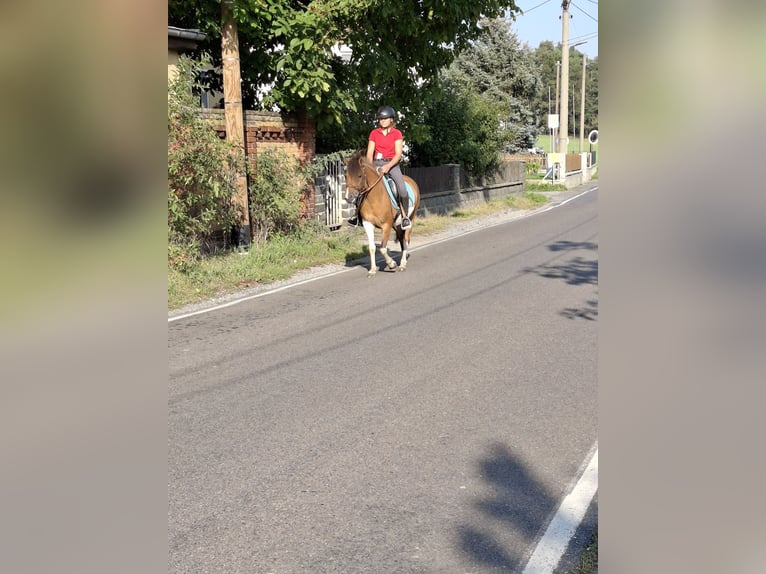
x=544 y=186
x=270 y=261
x=588 y=562
x=311 y=245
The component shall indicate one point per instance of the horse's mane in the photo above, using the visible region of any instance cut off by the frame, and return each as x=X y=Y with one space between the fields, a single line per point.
x=359 y=157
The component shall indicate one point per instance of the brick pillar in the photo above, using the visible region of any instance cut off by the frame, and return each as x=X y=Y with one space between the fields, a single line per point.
x=307 y=146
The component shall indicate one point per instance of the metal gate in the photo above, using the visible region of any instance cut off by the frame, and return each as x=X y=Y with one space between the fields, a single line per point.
x=331 y=185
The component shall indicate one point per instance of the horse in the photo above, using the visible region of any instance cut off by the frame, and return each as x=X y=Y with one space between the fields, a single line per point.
x=365 y=187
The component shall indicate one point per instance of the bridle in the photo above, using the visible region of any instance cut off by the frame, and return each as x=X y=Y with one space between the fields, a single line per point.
x=360 y=195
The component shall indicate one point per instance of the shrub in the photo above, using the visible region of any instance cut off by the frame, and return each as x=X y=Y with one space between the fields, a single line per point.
x=275 y=195
x=201 y=173
x=463 y=129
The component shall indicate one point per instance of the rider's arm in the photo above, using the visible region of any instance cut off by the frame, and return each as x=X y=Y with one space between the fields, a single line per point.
x=394 y=160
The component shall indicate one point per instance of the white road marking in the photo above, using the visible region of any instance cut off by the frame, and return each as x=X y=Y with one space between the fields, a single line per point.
x=410 y=250
x=262 y=294
x=568 y=517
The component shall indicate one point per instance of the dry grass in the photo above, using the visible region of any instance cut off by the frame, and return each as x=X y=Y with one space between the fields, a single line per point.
x=279 y=258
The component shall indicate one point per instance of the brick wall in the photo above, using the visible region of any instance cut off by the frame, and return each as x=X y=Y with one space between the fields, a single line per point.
x=294 y=134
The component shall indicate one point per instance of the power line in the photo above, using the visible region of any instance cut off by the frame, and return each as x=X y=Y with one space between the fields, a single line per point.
x=588 y=36
x=533 y=7
x=584 y=12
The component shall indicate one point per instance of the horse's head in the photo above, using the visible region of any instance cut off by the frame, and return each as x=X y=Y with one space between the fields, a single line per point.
x=356 y=179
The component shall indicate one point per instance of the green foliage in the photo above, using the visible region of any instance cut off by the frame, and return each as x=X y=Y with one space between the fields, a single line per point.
x=464 y=130
x=322 y=161
x=536 y=198
x=543 y=186
x=546 y=55
x=201 y=174
x=482 y=107
x=307 y=245
x=504 y=73
x=275 y=193
x=397 y=50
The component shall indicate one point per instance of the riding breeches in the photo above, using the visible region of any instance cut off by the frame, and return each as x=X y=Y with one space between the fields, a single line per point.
x=396 y=175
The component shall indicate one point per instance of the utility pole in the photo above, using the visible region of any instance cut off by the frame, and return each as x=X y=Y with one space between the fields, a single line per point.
x=235 y=129
x=556 y=108
x=582 y=104
x=563 y=125
x=574 y=118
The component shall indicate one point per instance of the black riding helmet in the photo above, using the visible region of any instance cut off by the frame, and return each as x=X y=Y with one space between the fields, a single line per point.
x=385 y=112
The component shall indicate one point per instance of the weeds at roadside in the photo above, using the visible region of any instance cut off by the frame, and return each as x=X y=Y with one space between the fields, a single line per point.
x=589 y=558
x=310 y=245
x=265 y=262
x=542 y=186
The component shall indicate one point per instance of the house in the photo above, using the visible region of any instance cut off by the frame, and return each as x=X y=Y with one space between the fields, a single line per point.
x=181 y=41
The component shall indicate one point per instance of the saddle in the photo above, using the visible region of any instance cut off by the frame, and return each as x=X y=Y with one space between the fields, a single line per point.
x=393 y=194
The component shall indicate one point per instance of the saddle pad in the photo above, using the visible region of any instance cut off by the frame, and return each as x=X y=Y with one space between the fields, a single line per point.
x=392 y=197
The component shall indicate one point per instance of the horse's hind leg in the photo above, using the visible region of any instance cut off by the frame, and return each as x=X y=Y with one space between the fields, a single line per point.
x=403 y=236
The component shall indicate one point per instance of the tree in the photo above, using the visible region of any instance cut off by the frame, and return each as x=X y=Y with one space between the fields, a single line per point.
x=546 y=55
x=289 y=58
x=484 y=105
x=503 y=73
x=463 y=129
x=591 y=95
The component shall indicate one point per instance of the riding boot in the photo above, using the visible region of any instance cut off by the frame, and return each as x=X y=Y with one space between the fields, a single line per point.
x=406 y=223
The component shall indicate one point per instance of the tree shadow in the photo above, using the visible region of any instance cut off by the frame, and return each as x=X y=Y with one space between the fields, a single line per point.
x=572 y=245
x=519 y=503
x=589 y=312
x=577 y=270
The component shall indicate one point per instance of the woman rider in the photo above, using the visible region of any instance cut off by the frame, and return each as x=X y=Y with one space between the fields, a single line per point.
x=384 y=150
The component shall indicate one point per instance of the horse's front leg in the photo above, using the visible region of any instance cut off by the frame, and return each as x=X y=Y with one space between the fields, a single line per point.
x=369 y=229
x=385 y=234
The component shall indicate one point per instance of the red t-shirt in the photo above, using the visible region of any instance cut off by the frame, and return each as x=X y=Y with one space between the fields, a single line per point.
x=385 y=144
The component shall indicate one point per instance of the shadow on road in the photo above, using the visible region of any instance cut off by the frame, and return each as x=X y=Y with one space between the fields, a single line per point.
x=577 y=270
x=519 y=505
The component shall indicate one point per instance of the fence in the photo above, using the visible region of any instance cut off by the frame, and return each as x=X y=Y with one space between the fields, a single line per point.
x=330 y=186
x=443 y=189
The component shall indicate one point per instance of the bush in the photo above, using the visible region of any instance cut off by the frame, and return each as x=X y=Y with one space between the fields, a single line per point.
x=201 y=174
x=275 y=196
x=463 y=129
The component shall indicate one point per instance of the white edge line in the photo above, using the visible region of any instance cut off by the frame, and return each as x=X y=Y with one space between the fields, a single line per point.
x=553 y=544
x=436 y=242
x=262 y=294
x=541 y=210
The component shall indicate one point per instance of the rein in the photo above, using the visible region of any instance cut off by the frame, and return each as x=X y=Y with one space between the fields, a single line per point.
x=369 y=187
x=363 y=193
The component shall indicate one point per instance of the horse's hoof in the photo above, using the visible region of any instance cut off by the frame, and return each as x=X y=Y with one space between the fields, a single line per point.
x=402 y=269
x=372 y=272
x=392 y=265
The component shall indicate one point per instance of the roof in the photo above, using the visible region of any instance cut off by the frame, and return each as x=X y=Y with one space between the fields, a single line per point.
x=184 y=39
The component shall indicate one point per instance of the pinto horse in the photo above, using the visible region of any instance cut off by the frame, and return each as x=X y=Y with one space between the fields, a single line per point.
x=375 y=208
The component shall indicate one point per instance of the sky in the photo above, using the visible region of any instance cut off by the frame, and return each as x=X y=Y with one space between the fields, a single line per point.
x=542 y=21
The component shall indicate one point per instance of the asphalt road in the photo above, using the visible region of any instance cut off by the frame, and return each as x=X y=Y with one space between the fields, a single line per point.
x=427 y=421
